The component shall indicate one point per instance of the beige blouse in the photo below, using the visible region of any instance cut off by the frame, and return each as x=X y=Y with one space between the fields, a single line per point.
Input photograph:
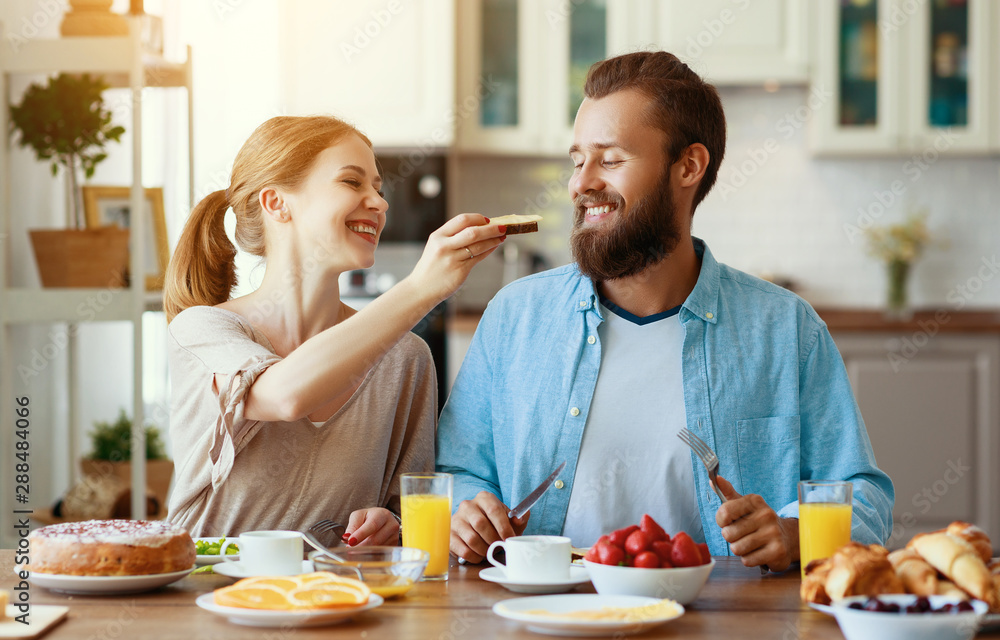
x=234 y=475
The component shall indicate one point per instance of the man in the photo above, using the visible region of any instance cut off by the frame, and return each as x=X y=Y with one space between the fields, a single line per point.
x=602 y=362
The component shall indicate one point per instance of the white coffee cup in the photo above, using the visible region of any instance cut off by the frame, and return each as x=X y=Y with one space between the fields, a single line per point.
x=270 y=553
x=534 y=558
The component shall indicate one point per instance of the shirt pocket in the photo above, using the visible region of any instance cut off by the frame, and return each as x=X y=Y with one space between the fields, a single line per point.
x=769 y=457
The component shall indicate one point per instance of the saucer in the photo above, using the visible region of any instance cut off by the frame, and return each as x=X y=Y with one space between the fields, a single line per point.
x=239 y=570
x=577 y=576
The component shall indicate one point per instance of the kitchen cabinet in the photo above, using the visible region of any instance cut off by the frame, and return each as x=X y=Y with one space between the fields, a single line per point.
x=903 y=77
x=738 y=41
x=521 y=68
x=522 y=63
x=124 y=64
x=929 y=400
x=387 y=67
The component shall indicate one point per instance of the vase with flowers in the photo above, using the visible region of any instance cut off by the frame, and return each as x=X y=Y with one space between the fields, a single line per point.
x=899 y=246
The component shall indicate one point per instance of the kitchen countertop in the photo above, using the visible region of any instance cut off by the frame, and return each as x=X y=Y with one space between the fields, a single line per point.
x=842 y=319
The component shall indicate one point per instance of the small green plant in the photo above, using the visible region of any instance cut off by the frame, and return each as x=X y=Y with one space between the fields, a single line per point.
x=113 y=440
x=66 y=122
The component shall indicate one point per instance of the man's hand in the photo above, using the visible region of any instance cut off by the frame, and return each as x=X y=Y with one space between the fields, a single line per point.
x=375 y=526
x=755 y=532
x=478 y=523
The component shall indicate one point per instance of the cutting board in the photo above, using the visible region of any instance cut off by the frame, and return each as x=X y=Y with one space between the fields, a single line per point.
x=42 y=618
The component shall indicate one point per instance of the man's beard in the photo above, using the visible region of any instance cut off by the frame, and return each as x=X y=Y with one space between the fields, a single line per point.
x=638 y=237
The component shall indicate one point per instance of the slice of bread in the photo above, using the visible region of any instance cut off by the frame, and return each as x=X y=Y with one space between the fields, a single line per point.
x=517 y=223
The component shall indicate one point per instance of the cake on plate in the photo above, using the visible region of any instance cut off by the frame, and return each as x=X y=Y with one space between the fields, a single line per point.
x=111 y=548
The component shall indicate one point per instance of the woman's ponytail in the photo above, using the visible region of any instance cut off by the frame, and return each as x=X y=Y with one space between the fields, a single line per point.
x=202 y=270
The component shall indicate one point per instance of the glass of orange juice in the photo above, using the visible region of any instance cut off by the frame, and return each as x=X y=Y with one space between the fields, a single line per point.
x=824 y=518
x=426 y=513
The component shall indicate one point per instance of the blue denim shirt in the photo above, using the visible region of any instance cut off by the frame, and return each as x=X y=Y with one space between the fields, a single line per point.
x=764 y=386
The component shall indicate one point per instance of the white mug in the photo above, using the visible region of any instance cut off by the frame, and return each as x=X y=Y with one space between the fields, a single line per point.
x=534 y=558
x=270 y=553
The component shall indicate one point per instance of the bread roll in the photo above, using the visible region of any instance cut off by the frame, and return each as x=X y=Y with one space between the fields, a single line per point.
x=862 y=570
x=517 y=223
x=974 y=536
x=917 y=575
x=813 y=587
x=959 y=561
x=948 y=588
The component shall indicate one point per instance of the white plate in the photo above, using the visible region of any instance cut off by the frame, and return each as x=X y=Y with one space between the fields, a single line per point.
x=577 y=576
x=237 y=570
x=518 y=609
x=203 y=559
x=262 y=618
x=822 y=608
x=105 y=585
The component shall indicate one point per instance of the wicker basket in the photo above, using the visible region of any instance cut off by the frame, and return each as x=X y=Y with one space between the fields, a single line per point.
x=82 y=258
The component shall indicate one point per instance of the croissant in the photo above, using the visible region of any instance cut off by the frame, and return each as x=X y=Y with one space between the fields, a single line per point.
x=857 y=569
x=917 y=575
x=974 y=536
x=959 y=561
x=813 y=587
x=950 y=589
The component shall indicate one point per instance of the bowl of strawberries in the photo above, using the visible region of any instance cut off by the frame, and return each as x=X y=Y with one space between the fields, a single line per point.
x=644 y=560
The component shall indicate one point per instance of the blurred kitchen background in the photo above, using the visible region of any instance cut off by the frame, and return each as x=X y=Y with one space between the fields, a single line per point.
x=842 y=114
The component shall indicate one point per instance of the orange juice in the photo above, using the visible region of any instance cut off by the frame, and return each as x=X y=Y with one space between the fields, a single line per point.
x=823 y=528
x=427 y=526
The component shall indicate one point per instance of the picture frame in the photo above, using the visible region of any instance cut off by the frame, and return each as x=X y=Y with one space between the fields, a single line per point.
x=107 y=205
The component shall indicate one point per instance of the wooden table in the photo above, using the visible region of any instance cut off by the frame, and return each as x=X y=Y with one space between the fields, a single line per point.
x=736 y=603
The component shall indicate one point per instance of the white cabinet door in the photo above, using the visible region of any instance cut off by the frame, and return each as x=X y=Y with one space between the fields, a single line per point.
x=905 y=78
x=738 y=41
x=931 y=409
x=960 y=121
x=387 y=67
x=859 y=76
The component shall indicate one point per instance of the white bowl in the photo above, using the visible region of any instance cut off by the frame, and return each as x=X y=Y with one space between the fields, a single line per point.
x=681 y=584
x=857 y=624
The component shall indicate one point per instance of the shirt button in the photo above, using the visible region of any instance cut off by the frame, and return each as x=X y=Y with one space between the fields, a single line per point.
x=583 y=303
x=709 y=315
x=574 y=412
x=591 y=340
x=559 y=484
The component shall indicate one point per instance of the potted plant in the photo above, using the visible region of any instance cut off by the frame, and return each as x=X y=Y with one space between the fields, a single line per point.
x=66 y=123
x=112 y=455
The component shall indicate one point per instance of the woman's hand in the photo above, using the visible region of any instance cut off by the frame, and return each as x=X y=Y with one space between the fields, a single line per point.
x=374 y=526
x=452 y=251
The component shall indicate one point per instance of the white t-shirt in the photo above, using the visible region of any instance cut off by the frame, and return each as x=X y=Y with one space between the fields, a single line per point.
x=631 y=460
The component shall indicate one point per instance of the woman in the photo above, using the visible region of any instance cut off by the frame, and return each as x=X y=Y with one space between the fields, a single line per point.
x=290 y=407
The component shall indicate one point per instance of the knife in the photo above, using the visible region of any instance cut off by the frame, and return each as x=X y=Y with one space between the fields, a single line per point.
x=533 y=497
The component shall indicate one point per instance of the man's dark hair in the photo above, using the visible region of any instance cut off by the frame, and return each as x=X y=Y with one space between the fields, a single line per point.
x=682 y=105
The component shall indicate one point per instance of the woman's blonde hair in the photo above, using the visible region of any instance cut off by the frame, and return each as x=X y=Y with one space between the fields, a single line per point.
x=280 y=153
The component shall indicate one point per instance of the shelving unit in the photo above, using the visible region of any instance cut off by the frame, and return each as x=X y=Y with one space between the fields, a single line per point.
x=124 y=64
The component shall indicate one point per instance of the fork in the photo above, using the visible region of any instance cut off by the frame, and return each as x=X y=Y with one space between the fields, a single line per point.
x=711 y=462
x=325 y=526
x=706 y=455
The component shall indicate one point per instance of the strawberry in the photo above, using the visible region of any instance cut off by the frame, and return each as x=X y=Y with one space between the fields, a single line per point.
x=637 y=542
x=706 y=556
x=685 y=552
x=652 y=529
x=619 y=536
x=608 y=553
x=592 y=554
x=647 y=560
x=662 y=548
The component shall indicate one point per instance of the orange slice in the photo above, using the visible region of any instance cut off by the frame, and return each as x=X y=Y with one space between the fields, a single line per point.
x=253 y=597
x=320 y=590
x=278 y=582
x=326 y=595
x=319 y=576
